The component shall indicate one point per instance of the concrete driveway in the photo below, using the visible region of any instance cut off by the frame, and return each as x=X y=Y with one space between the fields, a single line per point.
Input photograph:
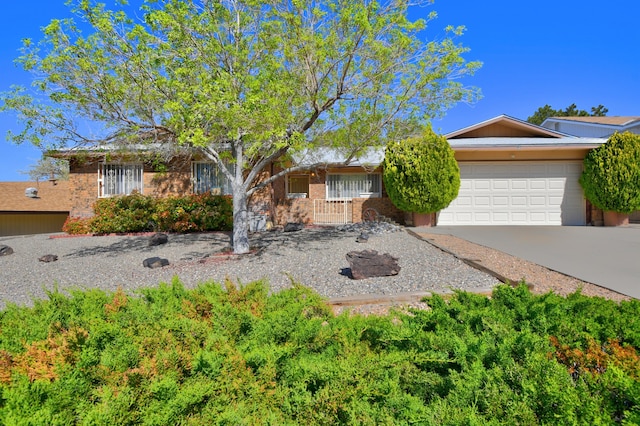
x=609 y=257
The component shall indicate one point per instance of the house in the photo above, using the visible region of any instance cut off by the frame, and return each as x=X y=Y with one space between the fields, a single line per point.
x=334 y=193
x=516 y=173
x=331 y=194
x=512 y=173
x=33 y=207
x=593 y=127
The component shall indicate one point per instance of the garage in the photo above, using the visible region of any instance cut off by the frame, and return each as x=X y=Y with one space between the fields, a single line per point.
x=517 y=193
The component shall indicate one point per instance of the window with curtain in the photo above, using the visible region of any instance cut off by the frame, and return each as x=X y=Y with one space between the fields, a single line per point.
x=120 y=179
x=206 y=177
x=353 y=185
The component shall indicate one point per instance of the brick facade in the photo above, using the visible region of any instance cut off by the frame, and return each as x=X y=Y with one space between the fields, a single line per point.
x=301 y=209
x=84 y=186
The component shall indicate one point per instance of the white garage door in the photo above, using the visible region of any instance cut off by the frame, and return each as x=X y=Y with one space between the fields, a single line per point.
x=517 y=193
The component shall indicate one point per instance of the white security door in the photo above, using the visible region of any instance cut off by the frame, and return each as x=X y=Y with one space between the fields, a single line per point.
x=517 y=193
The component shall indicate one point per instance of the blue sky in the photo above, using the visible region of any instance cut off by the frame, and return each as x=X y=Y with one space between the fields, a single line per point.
x=534 y=53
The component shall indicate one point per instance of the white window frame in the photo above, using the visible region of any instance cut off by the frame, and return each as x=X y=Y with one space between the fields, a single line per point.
x=120 y=179
x=363 y=194
x=296 y=194
x=215 y=182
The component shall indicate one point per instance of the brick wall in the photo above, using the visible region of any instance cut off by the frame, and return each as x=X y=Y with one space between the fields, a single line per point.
x=83 y=183
x=301 y=209
x=382 y=206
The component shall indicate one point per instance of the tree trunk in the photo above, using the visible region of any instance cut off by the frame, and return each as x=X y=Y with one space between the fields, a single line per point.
x=240 y=239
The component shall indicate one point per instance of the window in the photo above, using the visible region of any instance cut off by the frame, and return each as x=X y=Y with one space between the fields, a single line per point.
x=207 y=177
x=297 y=186
x=120 y=179
x=361 y=185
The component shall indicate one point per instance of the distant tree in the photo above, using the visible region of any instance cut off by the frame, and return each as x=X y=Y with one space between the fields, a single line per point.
x=572 y=110
x=421 y=174
x=48 y=168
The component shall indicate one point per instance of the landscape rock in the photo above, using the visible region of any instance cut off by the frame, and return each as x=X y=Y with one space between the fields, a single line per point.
x=368 y=264
x=158 y=239
x=370 y=228
x=155 y=262
x=48 y=258
x=5 y=250
x=362 y=238
x=293 y=227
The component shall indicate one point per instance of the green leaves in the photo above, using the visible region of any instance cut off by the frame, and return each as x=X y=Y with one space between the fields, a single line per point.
x=421 y=174
x=170 y=355
x=611 y=176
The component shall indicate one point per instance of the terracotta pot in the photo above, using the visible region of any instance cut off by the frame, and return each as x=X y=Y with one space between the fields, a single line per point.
x=424 y=219
x=616 y=219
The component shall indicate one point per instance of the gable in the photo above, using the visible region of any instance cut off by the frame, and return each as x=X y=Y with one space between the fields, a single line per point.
x=504 y=126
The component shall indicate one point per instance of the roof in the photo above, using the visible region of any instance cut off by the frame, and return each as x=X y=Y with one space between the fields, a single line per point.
x=550 y=143
x=372 y=157
x=504 y=126
x=50 y=197
x=607 y=121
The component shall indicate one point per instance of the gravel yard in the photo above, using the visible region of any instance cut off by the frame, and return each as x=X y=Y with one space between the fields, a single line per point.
x=314 y=257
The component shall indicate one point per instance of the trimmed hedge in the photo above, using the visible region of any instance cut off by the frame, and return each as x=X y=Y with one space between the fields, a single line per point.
x=247 y=356
x=421 y=174
x=611 y=176
x=139 y=213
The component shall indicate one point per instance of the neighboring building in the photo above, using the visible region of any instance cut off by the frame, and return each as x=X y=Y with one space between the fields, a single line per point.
x=593 y=127
x=33 y=207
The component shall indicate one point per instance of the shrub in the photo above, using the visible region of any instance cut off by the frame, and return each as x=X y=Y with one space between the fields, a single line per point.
x=77 y=225
x=138 y=213
x=421 y=174
x=131 y=213
x=249 y=356
x=611 y=176
x=204 y=212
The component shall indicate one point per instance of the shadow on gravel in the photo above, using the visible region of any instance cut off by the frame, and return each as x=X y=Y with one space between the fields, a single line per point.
x=216 y=242
x=321 y=237
x=140 y=244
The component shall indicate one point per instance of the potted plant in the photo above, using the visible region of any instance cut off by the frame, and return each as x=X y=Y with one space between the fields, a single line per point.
x=421 y=176
x=611 y=177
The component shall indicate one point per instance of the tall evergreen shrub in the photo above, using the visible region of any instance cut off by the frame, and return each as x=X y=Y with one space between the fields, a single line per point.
x=421 y=174
x=611 y=176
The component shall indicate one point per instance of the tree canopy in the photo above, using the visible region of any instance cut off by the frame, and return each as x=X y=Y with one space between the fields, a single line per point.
x=572 y=110
x=245 y=82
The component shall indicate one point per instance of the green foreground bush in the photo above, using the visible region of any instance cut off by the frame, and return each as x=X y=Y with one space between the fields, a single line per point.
x=139 y=213
x=242 y=356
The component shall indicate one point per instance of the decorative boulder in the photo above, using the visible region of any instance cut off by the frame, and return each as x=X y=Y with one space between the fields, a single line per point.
x=5 y=250
x=158 y=239
x=368 y=264
x=155 y=262
x=293 y=227
x=48 y=258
